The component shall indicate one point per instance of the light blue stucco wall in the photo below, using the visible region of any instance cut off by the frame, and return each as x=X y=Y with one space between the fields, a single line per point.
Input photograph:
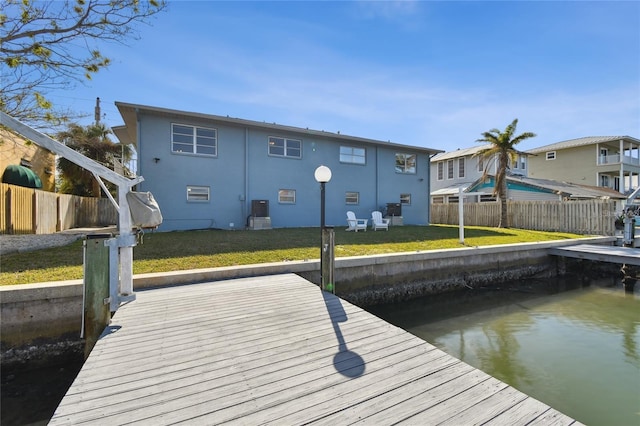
x=244 y=171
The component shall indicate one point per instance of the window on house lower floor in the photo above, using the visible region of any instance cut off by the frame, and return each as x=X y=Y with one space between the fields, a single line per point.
x=438 y=200
x=285 y=147
x=406 y=163
x=352 y=197
x=405 y=198
x=287 y=196
x=198 y=194
x=194 y=140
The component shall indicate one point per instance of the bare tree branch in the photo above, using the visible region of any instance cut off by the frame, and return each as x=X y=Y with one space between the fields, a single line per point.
x=39 y=47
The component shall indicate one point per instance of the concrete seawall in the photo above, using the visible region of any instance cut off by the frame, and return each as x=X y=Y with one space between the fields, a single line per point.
x=47 y=314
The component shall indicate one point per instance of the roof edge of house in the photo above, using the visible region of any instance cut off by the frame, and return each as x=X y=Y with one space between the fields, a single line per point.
x=124 y=108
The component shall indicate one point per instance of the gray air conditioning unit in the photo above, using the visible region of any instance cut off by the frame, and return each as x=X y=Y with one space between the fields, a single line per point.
x=394 y=209
x=260 y=208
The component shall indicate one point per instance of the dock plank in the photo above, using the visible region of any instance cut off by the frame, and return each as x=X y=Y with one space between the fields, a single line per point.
x=274 y=350
x=600 y=253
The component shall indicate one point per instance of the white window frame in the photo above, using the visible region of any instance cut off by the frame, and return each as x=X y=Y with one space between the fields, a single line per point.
x=352 y=197
x=403 y=163
x=450 y=174
x=461 y=162
x=405 y=199
x=550 y=155
x=287 y=196
x=480 y=164
x=288 y=150
x=353 y=155
x=193 y=147
x=440 y=170
x=198 y=194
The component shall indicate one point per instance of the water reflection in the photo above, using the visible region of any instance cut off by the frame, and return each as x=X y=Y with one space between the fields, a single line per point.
x=577 y=350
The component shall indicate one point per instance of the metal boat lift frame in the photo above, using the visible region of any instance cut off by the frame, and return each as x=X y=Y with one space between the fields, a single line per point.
x=120 y=247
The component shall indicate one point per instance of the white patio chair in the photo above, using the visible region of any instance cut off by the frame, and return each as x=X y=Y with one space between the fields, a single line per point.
x=356 y=224
x=378 y=222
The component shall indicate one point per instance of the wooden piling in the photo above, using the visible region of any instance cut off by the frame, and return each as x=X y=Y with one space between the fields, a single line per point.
x=96 y=312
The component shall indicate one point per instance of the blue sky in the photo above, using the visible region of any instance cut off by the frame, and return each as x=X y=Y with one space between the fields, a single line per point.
x=425 y=73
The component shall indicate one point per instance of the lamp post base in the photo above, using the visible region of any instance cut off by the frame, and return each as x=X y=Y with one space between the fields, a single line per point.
x=327 y=260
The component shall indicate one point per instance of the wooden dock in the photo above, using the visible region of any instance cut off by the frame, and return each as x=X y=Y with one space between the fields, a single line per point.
x=601 y=253
x=277 y=350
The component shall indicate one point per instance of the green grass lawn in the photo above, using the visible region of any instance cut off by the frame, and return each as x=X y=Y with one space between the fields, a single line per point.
x=172 y=251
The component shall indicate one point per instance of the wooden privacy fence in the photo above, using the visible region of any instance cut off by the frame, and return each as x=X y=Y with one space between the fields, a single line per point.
x=589 y=217
x=32 y=211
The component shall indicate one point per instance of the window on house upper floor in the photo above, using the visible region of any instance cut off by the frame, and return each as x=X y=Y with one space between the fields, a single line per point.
x=287 y=196
x=405 y=198
x=440 y=170
x=481 y=164
x=351 y=197
x=352 y=155
x=551 y=155
x=461 y=167
x=406 y=163
x=198 y=194
x=285 y=147
x=450 y=169
x=520 y=162
x=194 y=140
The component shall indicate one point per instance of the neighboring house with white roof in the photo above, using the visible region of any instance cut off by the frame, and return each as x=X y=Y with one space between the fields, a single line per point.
x=211 y=171
x=453 y=170
x=605 y=161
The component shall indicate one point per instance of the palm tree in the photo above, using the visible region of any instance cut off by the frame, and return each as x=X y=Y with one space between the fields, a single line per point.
x=503 y=149
x=93 y=142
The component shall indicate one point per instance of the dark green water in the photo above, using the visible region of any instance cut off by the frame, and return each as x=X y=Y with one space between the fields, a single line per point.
x=577 y=350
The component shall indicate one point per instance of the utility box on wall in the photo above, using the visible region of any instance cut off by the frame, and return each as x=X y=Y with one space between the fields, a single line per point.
x=260 y=208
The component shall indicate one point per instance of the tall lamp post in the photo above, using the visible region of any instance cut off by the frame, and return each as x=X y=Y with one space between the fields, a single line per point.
x=323 y=175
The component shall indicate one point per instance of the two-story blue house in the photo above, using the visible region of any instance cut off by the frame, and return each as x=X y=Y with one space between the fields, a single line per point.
x=209 y=171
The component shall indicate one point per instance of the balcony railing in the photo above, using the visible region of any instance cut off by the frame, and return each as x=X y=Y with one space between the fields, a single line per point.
x=615 y=159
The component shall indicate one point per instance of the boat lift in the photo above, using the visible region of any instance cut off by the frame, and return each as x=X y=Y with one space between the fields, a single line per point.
x=120 y=247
